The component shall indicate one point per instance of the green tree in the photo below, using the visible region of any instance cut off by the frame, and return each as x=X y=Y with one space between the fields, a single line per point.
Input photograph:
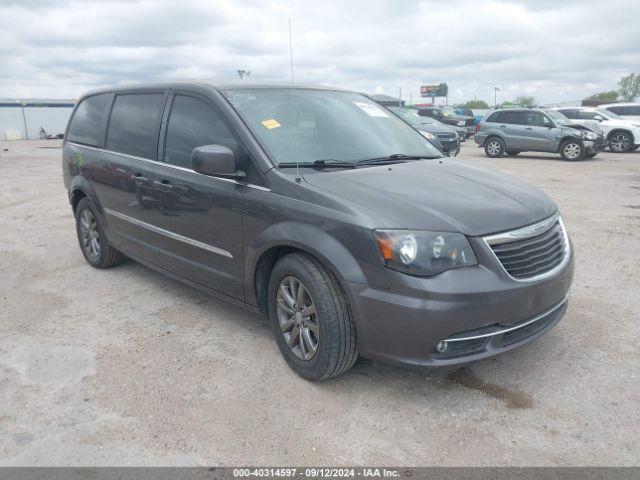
x=629 y=87
x=524 y=100
x=602 y=97
x=474 y=104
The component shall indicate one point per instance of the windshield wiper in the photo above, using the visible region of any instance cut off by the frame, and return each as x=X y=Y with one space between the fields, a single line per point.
x=394 y=158
x=320 y=164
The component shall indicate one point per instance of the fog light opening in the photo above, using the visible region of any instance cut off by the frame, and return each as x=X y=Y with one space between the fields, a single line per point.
x=441 y=347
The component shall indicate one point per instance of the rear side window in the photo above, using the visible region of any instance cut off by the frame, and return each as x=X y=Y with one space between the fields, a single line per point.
x=87 y=124
x=193 y=123
x=616 y=110
x=586 y=115
x=632 y=110
x=514 y=118
x=134 y=124
x=494 y=117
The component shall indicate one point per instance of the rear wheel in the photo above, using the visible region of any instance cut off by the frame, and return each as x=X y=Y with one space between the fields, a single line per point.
x=310 y=318
x=620 y=142
x=93 y=242
x=494 y=147
x=572 y=150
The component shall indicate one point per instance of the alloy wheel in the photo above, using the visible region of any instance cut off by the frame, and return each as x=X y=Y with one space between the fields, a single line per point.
x=89 y=233
x=620 y=143
x=572 y=151
x=494 y=147
x=297 y=318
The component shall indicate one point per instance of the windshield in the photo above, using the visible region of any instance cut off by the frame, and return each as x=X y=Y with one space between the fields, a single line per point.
x=557 y=117
x=609 y=114
x=306 y=125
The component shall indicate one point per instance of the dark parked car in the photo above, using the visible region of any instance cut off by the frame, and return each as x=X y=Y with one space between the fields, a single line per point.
x=515 y=130
x=448 y=116
x=444 y=138
x=323 y=210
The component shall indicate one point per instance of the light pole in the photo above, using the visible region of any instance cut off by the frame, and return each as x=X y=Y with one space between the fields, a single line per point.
x=495 y=96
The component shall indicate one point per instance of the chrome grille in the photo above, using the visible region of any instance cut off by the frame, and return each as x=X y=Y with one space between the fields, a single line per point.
x=532 y=251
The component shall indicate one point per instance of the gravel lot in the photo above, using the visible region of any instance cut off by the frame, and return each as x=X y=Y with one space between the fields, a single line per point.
x=128 y=367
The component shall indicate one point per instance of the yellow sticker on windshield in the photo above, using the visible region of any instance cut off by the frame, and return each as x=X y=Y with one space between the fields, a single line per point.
x=271 y=124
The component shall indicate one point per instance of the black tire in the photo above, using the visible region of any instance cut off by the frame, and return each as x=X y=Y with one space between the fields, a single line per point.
x=590 y=155
x=634 y=148
x=572 y=150
x=620 y=142
x=106 y=256
x=337 y=344
x=512 y=153
x=494 y=147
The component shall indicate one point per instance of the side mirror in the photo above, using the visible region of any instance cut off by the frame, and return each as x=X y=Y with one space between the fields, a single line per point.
x=217 y=161
x=598 y=118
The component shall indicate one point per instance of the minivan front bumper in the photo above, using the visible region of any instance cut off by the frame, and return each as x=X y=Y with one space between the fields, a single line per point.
x=479 y=312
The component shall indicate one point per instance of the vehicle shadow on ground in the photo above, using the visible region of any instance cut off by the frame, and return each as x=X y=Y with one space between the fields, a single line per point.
x=366 y=374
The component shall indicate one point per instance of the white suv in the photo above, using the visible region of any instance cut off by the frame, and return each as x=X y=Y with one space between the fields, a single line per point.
x=630 y=111
x=622 y=134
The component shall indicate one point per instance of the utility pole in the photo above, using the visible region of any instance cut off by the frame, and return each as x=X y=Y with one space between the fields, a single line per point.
x=399 y=96
x=495 y=96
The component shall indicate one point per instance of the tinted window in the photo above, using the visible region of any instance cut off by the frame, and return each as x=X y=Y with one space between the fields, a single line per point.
x=535 y=119
x=193 y=123
x=569 y=112
x=513 y=117
x=495 y=117
x=617 y=110
x=630 y=111
x=134 y=124
x=586 y=115
x=87 y=124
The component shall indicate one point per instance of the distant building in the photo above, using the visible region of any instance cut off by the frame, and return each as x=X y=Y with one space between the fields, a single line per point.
x=24 y=118
x=388 y=101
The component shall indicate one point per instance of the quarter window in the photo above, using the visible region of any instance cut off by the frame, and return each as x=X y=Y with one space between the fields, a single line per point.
x=87 y=124
x=193 y=123
x=569 y=112
x=134 y=124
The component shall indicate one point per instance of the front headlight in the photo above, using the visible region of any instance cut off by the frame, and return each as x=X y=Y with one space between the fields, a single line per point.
x=424 y=253
x=427 y=135
x=590 y=135
x=460 y=123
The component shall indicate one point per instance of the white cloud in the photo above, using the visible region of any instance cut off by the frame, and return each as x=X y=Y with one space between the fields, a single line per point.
x=552 y=50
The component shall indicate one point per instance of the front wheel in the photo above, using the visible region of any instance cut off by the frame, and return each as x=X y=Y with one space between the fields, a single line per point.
x=572 y=150
x=620 y=142
x=310 y=318
x=494 y=147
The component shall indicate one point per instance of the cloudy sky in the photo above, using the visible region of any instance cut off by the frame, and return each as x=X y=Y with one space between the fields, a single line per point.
x=554 y=50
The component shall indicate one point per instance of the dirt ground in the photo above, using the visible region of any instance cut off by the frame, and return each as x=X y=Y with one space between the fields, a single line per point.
x=128 y=367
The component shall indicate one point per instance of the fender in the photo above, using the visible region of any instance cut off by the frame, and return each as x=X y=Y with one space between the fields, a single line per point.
x=307 y=238
x=80 y=183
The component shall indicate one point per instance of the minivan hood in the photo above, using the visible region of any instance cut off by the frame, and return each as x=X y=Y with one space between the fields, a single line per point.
x=438 y=195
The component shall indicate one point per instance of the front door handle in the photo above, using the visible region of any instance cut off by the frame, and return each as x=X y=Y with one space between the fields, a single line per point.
x=529 y=128
x=503 y=126
x=139 y=179
x=162 y=185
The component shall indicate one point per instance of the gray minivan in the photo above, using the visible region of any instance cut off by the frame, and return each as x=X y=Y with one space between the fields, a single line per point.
x=324 y=211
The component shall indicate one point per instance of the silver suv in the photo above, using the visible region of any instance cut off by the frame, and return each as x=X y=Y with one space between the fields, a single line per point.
x=622 y=134
x=512 y=131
